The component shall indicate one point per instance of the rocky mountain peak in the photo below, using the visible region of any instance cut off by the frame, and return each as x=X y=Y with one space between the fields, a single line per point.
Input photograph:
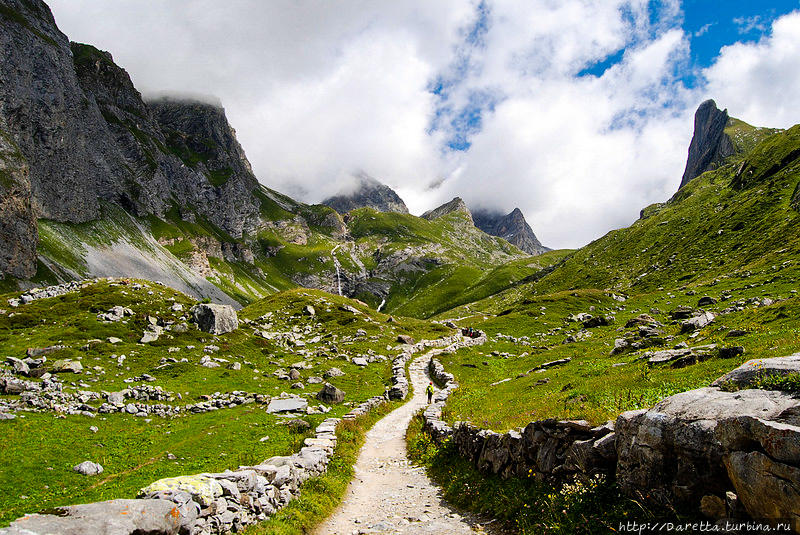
x=456 y=205
x=365 y=191
x=710 y=144
x=511 y=227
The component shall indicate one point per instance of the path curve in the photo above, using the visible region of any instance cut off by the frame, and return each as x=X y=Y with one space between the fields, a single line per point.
x=390 y=495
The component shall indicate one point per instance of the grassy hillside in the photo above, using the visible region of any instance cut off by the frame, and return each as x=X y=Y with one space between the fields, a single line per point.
x=730 y=234
x=274 y=333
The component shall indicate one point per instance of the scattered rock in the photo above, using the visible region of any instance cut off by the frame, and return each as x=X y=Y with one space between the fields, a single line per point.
x=88 y=468
x=697 y=322
x=308 y=310
x=405 y=339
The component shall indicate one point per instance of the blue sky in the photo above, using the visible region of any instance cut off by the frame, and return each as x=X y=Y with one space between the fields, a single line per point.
x=708 y=25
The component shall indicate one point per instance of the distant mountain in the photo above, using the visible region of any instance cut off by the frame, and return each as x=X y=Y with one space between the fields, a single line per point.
x=511 y=227
x=456 y=205
x=365 y=191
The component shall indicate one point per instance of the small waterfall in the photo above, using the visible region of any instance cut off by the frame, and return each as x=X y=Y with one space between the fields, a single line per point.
x=383 y=302
x=336 y=265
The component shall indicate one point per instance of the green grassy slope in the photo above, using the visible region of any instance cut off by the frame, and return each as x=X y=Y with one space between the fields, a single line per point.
x=730 y=234
x=40 y=449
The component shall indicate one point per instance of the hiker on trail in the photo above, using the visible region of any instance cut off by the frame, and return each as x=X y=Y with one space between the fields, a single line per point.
x=429 y=390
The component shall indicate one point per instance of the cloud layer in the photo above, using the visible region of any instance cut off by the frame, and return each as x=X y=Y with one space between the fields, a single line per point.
x=575 y=111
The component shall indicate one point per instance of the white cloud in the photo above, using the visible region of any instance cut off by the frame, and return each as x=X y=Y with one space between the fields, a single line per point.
x=317 y=90
x=759 y=82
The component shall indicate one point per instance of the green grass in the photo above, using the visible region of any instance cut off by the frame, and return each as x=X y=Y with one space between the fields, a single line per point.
x=320 y=496
x=132 y=450
x=524 y=505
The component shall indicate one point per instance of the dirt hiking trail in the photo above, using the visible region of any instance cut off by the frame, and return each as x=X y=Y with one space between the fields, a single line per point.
x=390 y=495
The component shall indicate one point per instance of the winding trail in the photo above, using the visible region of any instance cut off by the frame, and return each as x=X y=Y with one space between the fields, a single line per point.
x=390 y=495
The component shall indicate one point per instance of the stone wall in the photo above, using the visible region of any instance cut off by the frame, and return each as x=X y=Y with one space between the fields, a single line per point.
x=204 y=504
x=550 y=449
x=725 y=451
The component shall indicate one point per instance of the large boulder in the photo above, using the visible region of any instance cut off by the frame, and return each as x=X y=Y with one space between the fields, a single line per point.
x=670 y=455
x=330 y=394
x=215 y=319
x=113 y=517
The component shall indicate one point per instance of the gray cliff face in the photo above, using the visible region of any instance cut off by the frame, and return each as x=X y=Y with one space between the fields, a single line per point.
x=18 y=233
x=366 y=191
x=88 y=136
x=220 y=184
x=456 y=205
x=59 y=131
x=511 y=227
x=710 y=145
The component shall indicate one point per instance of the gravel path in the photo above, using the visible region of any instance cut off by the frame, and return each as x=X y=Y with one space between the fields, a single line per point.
x=390 y=495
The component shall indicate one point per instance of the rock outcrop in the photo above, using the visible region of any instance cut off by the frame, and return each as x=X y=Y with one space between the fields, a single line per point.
x=456 y=205
x=710 y=144
x=18 y=234
x=366 y=191
x=215 y=319
x=511 y=227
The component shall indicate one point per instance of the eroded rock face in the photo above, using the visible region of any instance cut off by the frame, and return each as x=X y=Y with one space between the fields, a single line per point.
x=710 y=145
x=18 y=233
x=215 y=319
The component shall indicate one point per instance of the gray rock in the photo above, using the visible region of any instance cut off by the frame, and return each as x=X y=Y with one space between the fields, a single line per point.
x=114 y=517
x=405 y=339
x=88 y=468
x=333 y=372
x=117 y=398
x=360 y=361
x=330 y=394
x=750 y=371
x=697 y=322
x=766 y=488
x=287 y=405
x=671 y=455
x=66 y=365
x=20 y=367
x=215 y=319
x=308 y=310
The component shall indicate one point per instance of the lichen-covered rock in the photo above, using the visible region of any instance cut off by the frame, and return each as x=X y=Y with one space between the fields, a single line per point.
x=215 y=319
x=204 y=490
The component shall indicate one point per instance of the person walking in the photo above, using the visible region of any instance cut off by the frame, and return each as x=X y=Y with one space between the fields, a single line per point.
x=429 y=390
